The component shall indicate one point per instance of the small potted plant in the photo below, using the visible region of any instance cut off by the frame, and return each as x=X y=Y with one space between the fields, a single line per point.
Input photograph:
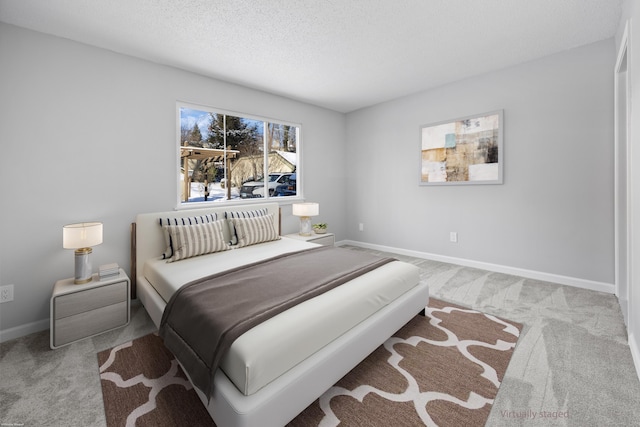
x=320 y=228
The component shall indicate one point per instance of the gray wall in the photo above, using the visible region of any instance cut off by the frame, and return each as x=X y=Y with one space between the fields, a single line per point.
x=89 y=135
x=554 y=212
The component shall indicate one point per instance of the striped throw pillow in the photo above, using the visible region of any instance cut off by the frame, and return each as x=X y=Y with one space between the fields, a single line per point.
x=196 y=239
x=241 y=214
x=200 y=219
x=251 y=231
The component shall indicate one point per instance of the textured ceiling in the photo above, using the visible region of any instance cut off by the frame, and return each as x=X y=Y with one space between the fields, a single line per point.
x=339 y=54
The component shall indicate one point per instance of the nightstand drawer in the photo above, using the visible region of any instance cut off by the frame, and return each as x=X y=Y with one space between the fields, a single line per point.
x=90 y=323
x=79 y=302
x=328 y=240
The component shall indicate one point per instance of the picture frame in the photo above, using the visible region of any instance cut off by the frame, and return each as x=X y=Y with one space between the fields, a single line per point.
x=463 y=151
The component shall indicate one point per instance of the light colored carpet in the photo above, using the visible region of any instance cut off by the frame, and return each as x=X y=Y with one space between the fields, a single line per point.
x=572 y=366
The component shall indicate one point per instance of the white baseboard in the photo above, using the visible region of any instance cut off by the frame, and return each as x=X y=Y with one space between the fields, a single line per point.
x=22 y=330
x=624 y=307
x=635 y=352
x=529 y=274
x=29 y=328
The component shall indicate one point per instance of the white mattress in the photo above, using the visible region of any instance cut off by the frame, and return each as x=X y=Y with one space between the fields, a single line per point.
x=168 y=277
x=264 y=352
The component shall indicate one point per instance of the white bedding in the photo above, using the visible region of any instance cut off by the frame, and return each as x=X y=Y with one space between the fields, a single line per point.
x=309 y=326
x=168 y=277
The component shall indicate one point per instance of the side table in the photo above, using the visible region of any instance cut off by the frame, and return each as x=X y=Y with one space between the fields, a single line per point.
x=327 y=239
x=89 y=309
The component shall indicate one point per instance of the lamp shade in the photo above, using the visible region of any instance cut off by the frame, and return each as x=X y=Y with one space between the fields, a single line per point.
x=305 y=209
x=81 y=235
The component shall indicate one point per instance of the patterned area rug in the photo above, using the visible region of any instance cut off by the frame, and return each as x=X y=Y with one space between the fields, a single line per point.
x=440 y=370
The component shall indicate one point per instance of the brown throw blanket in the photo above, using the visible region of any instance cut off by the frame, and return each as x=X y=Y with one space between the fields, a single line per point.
x=204 y=317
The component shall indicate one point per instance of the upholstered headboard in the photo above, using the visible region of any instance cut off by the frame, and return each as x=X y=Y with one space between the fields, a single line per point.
x=147 y=236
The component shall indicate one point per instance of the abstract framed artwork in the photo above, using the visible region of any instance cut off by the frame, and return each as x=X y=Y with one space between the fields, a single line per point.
x=467 y=150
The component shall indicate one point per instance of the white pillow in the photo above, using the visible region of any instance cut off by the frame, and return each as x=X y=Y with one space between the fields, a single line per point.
x=251 y=231
x=168 y=252
x=241 y=214
x=196 y=239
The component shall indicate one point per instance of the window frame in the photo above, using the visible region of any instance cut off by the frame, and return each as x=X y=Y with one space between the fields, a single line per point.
x=283 y=200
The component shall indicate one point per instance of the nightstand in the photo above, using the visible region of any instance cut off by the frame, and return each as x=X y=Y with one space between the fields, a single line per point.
x=82 y=311
x=327 y=239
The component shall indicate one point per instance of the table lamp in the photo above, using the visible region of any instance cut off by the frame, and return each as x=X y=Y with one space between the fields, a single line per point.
x=81 y=237
x=305 y=211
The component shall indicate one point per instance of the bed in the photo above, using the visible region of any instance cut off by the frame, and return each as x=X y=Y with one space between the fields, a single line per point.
x=256 y=382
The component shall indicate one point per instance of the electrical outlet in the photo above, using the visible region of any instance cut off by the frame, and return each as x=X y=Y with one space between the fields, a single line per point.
x=6 y=293
x=453 y=237
x=361 y=227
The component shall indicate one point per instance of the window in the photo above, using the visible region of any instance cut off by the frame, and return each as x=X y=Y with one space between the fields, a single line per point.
x=226 y=156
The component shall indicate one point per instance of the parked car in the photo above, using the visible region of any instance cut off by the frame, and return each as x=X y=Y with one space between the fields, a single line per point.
x=287 y=188
x=255 y=188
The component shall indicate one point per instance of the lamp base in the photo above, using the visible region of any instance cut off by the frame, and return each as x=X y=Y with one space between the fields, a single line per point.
x=83 y=266
x=305 y=226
